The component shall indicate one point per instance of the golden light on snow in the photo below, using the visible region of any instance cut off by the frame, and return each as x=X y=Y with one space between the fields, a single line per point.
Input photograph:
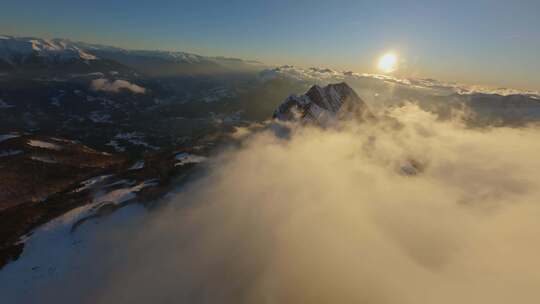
x=388 y=63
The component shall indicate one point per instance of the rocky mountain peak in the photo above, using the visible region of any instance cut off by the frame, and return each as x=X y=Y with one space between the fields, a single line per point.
x=323 y=105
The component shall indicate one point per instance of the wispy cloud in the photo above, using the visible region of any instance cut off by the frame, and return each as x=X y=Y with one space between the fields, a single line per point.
x=116 y=86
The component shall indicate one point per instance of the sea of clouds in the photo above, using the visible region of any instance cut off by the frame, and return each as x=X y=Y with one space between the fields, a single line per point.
x=316 y=215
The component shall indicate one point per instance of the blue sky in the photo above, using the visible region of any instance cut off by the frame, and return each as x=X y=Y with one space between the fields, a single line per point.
x=491 y=42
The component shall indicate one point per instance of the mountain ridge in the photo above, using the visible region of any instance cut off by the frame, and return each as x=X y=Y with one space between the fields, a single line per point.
x=32 y=52
x=323 y=105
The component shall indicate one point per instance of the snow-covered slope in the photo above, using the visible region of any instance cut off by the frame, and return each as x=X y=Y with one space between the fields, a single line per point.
x=18 y=50
x=323 y=105
x=22 y=51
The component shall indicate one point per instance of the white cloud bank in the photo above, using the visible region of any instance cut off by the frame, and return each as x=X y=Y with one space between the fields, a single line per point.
x=116 y=86
x=324 y=75
x=324 y=217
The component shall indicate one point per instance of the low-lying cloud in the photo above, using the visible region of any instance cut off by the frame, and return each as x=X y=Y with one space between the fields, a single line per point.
x=326 y=216
x=325 y=75
x=116 y=86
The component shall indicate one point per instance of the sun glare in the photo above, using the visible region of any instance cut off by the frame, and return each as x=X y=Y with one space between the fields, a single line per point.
x=388 y=63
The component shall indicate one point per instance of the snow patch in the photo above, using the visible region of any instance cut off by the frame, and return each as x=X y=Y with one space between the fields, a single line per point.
x=137 y=166
x=116 y=146
x=133 y=138
x=44 y=159
x=119 y=196
x=186 y=158
x=44 y=145
x=92 y=182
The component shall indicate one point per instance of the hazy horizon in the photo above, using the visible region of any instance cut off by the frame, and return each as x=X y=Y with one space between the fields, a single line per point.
x=490 y=43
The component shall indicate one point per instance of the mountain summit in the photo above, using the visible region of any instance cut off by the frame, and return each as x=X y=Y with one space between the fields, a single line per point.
x=323 y=105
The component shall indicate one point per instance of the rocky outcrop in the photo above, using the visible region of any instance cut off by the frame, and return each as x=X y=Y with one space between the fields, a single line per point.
x=324 y=105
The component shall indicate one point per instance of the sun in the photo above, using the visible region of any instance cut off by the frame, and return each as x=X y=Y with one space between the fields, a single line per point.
x=388 y=63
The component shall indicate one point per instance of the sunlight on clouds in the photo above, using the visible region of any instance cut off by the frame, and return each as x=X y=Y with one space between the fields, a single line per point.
x=323 y=216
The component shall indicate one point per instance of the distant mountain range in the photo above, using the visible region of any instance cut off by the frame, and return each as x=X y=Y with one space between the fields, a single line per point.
x=20 y=53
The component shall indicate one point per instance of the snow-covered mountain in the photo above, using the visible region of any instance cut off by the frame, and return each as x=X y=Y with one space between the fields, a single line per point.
x=323 y=105
x=29 y=52
x=17 y=51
